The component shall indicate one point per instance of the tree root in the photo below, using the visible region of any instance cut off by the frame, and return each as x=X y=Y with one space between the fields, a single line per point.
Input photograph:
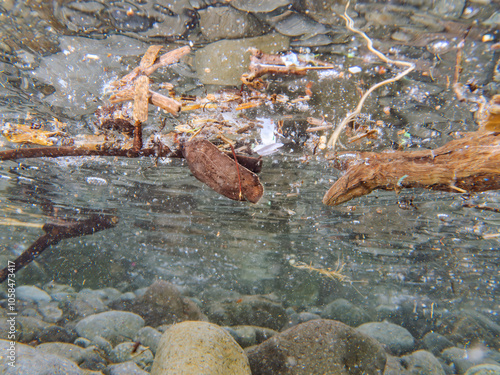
x=468 y=164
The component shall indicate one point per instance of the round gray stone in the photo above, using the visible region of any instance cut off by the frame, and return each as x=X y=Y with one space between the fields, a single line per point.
x=113 y=326
x=397 y=339
x=29 y=361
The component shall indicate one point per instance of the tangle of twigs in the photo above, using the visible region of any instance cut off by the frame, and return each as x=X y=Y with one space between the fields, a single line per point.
x=350 y=116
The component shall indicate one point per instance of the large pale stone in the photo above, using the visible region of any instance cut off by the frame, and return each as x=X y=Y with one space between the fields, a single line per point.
x=223 y=62
x=199 y=348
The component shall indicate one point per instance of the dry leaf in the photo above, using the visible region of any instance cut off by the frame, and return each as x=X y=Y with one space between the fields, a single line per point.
x=221 y=173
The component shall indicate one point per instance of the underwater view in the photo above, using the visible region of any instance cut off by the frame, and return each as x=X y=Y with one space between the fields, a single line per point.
x=250 y=187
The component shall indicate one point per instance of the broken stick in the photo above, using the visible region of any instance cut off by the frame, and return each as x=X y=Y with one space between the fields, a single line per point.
x=57 y=231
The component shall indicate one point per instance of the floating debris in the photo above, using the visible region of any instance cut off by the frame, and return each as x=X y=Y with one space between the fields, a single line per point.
x=221 y=173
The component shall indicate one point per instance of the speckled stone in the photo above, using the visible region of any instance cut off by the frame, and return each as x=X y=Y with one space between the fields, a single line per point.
x=318 y=347
x=484 y=370
x=199 y=348
x=397 y=339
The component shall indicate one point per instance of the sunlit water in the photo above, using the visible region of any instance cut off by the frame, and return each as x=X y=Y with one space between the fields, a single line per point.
x=172 y=227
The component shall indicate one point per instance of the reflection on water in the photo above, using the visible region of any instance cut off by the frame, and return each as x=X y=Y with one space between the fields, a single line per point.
x=418 y=246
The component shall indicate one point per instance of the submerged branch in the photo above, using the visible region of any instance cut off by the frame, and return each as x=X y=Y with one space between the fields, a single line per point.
x=468 y=164
x=55 y=232
x=56 y=152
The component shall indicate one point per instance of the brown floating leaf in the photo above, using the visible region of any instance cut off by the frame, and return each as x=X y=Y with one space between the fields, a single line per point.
x=214 y=168
x=141 y=99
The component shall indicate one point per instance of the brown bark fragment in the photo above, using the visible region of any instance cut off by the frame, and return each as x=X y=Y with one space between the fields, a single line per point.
x=150 y=57
x=168 y=104
x=471 y=164
x=141 y=99
x=214 y=168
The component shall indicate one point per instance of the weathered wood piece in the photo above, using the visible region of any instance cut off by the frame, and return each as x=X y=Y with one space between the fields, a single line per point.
x=141 y=99
x=221 y=173
x=468 y=164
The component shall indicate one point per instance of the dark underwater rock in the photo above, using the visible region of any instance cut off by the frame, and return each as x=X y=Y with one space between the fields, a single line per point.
x=249 y=310
x=318 y=347
x=162 y=303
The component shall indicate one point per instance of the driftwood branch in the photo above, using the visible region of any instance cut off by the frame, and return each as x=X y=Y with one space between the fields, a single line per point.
x=468 y=164
x=56 y=152
x=57 y=231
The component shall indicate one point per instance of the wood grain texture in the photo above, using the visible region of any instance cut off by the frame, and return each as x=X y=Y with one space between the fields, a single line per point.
x=217 y=170
x=471 y=164
x=141 y=99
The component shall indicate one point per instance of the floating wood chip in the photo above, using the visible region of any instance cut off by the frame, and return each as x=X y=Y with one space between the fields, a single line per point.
x=141 y=99
x=150 y=56
x=221 y=173
x=168 y=104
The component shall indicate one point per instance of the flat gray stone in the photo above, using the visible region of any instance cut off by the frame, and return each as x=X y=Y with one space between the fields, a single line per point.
x=29 y=361
x=113 y=326
x=223 y=62
x=32 y=293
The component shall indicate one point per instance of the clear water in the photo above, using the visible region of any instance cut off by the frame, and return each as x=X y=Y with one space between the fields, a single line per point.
x=172 y=227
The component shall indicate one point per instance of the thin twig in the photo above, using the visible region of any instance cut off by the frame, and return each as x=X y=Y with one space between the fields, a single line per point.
x=409 y=67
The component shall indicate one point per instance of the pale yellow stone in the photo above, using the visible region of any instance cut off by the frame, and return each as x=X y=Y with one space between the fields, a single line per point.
x=195 y=347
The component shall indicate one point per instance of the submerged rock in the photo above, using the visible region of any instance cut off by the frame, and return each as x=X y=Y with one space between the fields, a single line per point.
x=397 y=339
x=422 y=362
x=113 y=326
x=259 y=5
x=124 y=352
x=447 y=8
x=223 y=62
x=72 y=352
x=51 y=312
x=318 y=347
x=250 y=335
x=199 y=348
x=436 y=343
x=32 y=293
x=56 y=333
x=249 y=310
x=345 y=312
x=126 y=368
x=30 y=328
x=484 y=370
x=297 y=24
x=29 y=361
x=149 y=337
x=162 y=303
x=228 y=23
